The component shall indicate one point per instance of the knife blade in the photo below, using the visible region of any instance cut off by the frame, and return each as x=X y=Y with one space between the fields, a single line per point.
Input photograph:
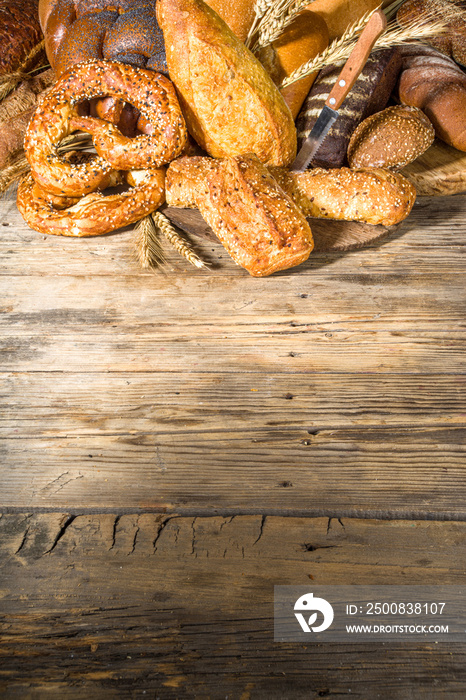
x=348 y=76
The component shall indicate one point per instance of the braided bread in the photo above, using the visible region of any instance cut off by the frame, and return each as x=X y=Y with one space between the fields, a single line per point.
x=123 y=30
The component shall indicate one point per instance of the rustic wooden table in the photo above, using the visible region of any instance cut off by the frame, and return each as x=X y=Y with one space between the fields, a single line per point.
x=175 y=443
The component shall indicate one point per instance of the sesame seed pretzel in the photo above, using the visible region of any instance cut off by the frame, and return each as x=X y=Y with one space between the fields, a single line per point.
x=119 y=30
x=94 y=214
x=57 y=116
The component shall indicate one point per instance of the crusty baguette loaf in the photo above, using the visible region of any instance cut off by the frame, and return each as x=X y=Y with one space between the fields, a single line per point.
x=258 y=224
x=434 y=83
x=304 y=38
x=239 y=15
x=229 y=101
x=370 y=195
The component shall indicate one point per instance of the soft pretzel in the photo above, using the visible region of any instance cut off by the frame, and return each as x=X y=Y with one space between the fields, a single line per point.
x=56 y=116
x=95 y=213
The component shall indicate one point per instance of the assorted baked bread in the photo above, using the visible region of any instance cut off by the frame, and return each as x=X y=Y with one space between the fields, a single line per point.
x=186 y=102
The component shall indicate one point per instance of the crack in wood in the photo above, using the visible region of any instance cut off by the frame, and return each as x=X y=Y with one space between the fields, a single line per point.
x=67 y=522
x=261 y=531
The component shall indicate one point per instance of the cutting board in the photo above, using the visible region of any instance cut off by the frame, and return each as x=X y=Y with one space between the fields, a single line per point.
x=441 y=170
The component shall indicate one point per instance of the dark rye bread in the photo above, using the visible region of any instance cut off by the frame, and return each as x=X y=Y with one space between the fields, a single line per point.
x=370 y=94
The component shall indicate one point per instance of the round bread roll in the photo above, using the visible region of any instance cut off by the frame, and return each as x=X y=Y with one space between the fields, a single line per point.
x=391 y=138
x=301 y=41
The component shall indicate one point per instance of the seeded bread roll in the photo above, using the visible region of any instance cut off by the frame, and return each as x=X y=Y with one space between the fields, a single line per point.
x=369 y=94
x=391 y=138
x=301 y=41
x=258 y=224
x=372 y=196
x=229 y=101
x=435 y=84
x=369 y=195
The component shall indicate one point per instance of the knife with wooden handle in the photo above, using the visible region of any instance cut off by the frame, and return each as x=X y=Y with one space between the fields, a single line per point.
x=348 y=76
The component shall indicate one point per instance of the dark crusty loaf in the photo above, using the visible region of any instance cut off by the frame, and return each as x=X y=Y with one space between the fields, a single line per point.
x=434 y=83
x=453 y=41
x=19 y=32
x=370 y=94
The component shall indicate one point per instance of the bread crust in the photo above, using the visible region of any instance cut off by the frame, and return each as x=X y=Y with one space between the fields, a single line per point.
x=230 y=103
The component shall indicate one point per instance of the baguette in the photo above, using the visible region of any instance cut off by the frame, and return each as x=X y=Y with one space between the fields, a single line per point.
x=339 y=14
x=435 y=84
x=369 y=195
x=229 y=101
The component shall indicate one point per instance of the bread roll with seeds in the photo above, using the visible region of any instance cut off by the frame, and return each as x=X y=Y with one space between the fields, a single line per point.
x=259 y=225
x=390 y=139
x=371 y=196
x=229 y=101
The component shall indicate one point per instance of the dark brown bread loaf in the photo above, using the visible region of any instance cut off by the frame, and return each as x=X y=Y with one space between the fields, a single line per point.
x=391 y=138
x=434 y=83
x=370 y=94
x=19 y=32
x=453 y=42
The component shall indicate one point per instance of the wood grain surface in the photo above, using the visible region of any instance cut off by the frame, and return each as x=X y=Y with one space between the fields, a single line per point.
x=125 y=606
x=335 y=388
x=174 y=443
x=440 y=171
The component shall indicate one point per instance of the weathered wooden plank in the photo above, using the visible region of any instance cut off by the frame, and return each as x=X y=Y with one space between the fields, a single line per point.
x=375 y=472
x=433 y=237
x=109 y=606
x=231 y=350
x=63 y=404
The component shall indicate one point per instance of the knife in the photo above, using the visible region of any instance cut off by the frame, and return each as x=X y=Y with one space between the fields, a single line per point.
x=348 y=76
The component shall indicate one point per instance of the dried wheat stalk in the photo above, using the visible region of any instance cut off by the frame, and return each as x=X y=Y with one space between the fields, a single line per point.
x=173 y=237
x=339 y=50
x=276 y=20
x=148 y=248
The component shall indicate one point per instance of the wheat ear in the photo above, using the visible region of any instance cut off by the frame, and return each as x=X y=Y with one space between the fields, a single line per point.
x=339 y=50
x=173 y=237
x=148 y=248
x=276 y=21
